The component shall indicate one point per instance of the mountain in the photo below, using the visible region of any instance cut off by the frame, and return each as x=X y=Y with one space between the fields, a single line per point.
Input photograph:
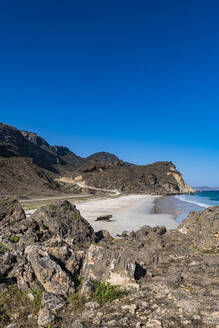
x=104 y=157
x=206 y=188
x=156 y=178
x=30 y=166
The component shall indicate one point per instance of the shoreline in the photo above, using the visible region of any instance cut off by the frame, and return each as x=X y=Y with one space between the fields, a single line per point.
x=162 y=205
x=129 y=213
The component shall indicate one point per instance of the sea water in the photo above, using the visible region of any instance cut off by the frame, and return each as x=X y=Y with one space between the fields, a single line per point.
x=196 y=202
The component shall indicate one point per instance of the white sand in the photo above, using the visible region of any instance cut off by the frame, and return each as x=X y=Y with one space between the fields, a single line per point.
x=129 y=213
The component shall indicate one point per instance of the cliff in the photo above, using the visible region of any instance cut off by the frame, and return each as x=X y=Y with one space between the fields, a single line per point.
x=156 y=178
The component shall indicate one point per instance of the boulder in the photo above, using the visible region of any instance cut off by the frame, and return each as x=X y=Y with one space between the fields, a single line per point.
x=103 y=235
x=87 y=288
x=48 y=272
x=50 y=305
x=63 y=222
x=7 y=262
x=111 y=265
x=11 y=211
x=104 y=218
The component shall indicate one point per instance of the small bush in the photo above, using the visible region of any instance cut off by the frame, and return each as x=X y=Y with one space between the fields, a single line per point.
x=14 y=239
x=15 y=303
x=197 y=218
x=3 y=316
x=104 y=292
x=3 y=248
x=78 y=282
x=38 y=294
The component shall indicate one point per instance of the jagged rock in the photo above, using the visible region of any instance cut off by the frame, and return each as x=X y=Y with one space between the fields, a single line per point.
x=25 y=276
x=111 y=265
x=45 y=318
x=63 y=221
x=175 y=272
x=103 y=235
x=87 y=288
x=48 y=272
x=11 y=211
x=203 y=228
x=7 y=262
x=51 y=304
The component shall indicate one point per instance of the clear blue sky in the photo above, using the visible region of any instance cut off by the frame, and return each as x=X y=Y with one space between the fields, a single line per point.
x=136 y=78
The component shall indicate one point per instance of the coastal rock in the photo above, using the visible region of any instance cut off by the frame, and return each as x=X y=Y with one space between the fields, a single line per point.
x=87 y=288
x=174 y=273
x=45 y=318
x=103 y=235
x=111 y=265
x=104 y=218
x=62 y=221
x=11 y=211
x=203 y=228
x=7 y=262
x=48 y=272
x=50 y=305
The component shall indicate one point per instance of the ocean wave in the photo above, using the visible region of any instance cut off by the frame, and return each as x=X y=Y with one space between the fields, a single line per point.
x=192 y=201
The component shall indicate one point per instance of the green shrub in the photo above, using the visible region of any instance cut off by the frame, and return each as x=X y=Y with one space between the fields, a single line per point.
x=15 y=303
x=3 y=316
x=14 y=239
x=38 y=294
x=78 y=282
x=197 y=218
x=105 y=292
x=3 y=248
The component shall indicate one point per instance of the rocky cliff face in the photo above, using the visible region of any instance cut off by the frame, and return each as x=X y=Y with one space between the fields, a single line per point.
x=28 y=144
x=23 y=151
x=156 y=178
x=55 y=271
x=28 y=164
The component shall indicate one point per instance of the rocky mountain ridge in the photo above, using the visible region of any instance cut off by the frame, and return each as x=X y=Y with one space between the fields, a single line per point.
x=23 y=151
x=56 y=271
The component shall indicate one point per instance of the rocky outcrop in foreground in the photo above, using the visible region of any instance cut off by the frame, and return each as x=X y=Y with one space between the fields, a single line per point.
x=55 y=271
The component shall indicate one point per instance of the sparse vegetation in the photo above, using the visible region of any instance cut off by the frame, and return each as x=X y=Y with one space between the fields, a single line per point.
x=16 y=303
x=3 y=248
x=76 y=302
x=14 y=239
x=105 y=292
x=78 y=281
x=3 y=316
x=197 y=218
x=209 y=251
x=37 y=293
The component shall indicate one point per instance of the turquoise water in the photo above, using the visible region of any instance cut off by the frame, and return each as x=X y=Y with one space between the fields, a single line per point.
x=196 y=202
x=203 y=199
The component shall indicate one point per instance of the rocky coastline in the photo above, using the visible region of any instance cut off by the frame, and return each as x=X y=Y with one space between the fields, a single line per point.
x=56 y=271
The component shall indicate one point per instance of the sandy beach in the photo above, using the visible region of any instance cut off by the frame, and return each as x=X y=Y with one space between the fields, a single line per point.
x=129 y=213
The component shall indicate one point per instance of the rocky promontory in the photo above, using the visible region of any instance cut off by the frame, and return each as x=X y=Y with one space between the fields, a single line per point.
x=30 y=167
x=56 y=271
